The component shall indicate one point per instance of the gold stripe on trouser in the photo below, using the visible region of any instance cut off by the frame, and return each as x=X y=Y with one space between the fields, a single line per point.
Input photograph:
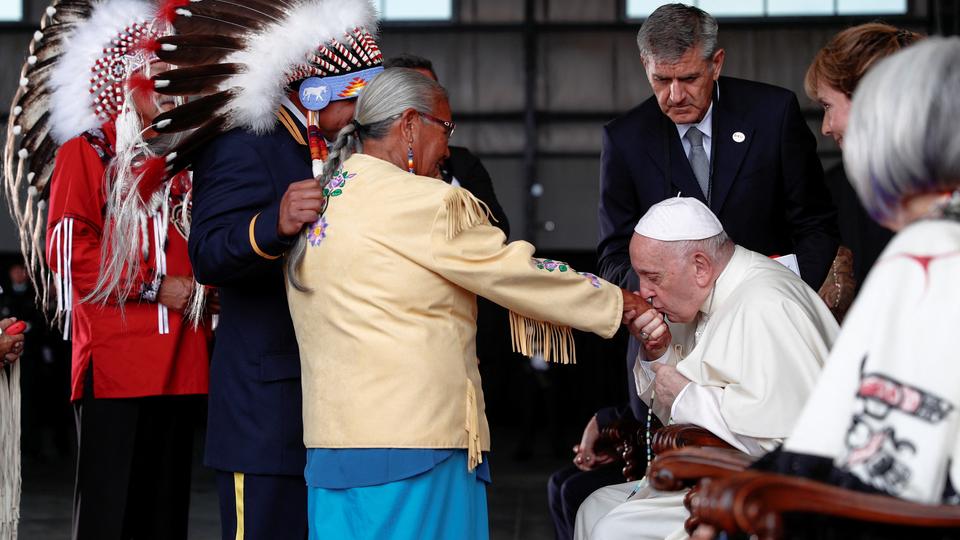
x=238 y=502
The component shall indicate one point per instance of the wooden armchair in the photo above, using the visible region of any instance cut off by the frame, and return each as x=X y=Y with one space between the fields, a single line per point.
x=771 y=506
x=683 y=435
x=619 y=440
x=684 y=467
x=628 y=440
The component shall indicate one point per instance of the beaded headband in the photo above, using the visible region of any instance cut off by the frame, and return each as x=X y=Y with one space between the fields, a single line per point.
x=128 y=53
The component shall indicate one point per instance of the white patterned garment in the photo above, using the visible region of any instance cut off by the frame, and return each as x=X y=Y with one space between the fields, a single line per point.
x=886 y=407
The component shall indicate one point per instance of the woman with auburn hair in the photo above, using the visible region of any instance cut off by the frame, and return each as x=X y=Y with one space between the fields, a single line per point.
x=831 y=80
x=840 y=64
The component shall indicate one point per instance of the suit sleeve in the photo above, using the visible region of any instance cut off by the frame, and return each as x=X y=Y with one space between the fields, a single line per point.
x=75 y=220
x=809 y=208
x=617 y=215
x=482 y=187
x=233 y=234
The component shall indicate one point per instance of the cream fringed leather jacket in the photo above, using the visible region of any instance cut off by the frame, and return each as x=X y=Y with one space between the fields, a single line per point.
x=387 y=331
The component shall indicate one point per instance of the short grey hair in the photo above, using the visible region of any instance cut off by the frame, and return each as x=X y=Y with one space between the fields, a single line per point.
x=716 y=247
x=380 y=105
x=673 y=29
x=902 y=136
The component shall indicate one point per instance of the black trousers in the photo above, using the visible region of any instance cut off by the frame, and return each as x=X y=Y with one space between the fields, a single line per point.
x=133 y=466
x=569 y=487
x=262 y=506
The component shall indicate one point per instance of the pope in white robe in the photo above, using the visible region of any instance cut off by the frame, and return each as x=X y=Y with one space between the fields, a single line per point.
x=746 y=341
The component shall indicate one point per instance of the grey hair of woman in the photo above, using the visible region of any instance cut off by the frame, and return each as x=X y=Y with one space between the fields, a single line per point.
x=673 y=29
x=902 y=136
x=378 y=107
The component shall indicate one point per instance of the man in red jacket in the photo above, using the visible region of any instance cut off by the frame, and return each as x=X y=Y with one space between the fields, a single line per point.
x=139 y=365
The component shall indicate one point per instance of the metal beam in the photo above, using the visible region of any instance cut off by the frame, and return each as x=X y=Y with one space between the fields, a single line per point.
x=530 y=118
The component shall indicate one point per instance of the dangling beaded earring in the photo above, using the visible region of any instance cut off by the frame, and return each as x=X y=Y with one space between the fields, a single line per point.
x=410 y=168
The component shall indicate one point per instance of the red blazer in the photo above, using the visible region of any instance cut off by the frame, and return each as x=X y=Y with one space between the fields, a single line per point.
x=129 y=355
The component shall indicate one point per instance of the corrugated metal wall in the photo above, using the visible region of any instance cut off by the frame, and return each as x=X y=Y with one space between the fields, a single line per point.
x=586 y=70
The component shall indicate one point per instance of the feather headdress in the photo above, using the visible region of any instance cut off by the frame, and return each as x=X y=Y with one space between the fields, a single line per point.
x=75 y=78
x=245 y=55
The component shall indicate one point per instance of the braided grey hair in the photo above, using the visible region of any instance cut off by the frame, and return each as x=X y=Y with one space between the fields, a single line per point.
x=379 y=106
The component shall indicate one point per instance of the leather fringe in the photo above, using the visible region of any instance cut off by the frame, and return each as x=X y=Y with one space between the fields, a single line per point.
x=464 y=211
x=9 y=451
x=474 y=452
x=530 y=337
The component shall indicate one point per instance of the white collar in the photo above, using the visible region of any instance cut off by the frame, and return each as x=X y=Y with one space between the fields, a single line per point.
x=294 y=110
x=705 y=125
x=728 y=281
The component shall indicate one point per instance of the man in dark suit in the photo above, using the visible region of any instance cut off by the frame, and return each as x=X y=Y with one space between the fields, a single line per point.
x=741 y=147
x=254 y=428
x=252 y=196
x=462 y=168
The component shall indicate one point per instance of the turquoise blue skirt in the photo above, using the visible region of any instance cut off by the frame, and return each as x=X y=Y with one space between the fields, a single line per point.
x=445 y=502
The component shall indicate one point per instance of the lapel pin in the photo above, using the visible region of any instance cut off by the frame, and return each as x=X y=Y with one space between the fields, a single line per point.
x=739 y=137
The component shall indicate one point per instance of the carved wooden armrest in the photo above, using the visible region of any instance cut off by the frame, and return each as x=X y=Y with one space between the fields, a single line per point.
x=614 y=437
x=625 y=440
x=755 y=502
x=680 y=435
x=635 y=455
x=683 y=467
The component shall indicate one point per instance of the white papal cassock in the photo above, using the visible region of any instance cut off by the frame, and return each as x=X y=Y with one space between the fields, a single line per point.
x=753 y=356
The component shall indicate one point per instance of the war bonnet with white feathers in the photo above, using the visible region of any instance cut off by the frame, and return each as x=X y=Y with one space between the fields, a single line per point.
x=244 y=55
x=75 y=78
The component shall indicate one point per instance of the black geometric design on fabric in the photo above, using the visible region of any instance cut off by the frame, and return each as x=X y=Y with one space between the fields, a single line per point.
x=873 y=455
x=883 y=394
x=875 y=452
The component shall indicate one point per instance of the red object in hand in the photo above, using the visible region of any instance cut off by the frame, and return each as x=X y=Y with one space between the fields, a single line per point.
x=15 y=328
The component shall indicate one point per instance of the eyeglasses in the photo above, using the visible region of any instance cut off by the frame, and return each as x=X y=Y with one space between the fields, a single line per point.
x=448 y=125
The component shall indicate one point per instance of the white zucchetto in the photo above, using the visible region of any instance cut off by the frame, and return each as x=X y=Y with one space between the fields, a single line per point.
x=679 y=218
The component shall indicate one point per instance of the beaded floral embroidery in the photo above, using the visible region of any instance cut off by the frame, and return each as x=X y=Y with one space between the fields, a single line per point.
x=550 y=265
x=337 y=182
x=594 y=280
x=317 y=232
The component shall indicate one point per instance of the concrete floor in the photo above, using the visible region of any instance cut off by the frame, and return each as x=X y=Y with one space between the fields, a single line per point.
x=516 y=500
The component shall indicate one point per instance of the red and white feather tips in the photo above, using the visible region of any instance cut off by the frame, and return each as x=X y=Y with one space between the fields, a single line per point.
x=140 y=83
x=153 y=171
x=133 y=48
x=170 y=9
x=356 y=51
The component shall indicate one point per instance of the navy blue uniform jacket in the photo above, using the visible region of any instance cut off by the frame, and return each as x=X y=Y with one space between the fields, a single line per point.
x=768 y=190
x=255 y=422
